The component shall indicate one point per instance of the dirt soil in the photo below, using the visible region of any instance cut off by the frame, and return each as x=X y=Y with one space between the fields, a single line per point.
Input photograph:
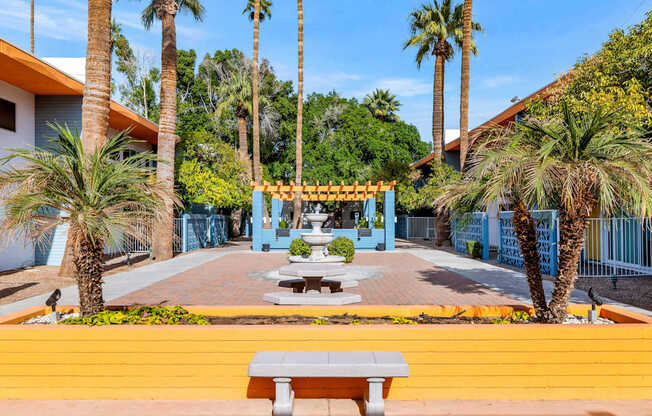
x=635 y=291
x=31 y=281
x=343 y=320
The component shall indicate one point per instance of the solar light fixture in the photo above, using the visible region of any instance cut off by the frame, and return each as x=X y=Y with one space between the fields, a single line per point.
x=52 y=303
x=595 y=300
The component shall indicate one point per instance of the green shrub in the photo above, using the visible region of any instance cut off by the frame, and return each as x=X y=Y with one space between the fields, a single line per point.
x=342 y=246
x=379 y=223
x=474 y=248
x=144 y=315
x=283 y=224
x=363 y=223
x=298 y=247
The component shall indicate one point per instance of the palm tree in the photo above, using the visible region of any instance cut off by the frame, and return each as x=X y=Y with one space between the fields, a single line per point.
x=382 y=104
x=31 y=27
x=573 y=163
x=235 y=92
x=464 y=88
x=97 y=92
x=166 y=11
x=433 y=27
x=258 y=10
x=104 y=199
x=299 y=154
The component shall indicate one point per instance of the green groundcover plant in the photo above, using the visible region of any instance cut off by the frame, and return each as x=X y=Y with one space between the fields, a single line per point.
x=143 y=315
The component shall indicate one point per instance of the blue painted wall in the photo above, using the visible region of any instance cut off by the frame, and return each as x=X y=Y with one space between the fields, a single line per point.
x=66 y=110
x=63 y=109
x=278 y=243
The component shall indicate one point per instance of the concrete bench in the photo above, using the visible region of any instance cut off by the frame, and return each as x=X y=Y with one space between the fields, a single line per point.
x=283 y=366
x=299 y=285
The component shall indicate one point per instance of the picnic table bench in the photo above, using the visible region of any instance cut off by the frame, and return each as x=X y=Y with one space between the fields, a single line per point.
x=282 y=366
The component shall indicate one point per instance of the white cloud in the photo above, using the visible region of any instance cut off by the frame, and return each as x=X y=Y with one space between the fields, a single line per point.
x=405 y=87
x=498 y=81
x=62 y=20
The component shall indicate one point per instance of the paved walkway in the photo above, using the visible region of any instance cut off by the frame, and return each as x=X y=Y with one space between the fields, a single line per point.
x=406 y=280
x=506 y=281
x=307 y=407
x=120 y=284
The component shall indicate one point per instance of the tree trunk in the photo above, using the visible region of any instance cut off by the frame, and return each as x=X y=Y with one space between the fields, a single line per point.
x=571 y=241
x=526 y=233
x=88 y=262
x=442 y=222
x=438 y=109
x=164 y=230
x=236 y=219
x=31 y=27
x=258 y=174
x=243 y=147
x=97 y=88
x=299 y=155
x=464 y=95
x=97 y=93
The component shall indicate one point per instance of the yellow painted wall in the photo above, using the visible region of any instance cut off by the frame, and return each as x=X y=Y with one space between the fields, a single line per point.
x=594 y=236
x=446 y=362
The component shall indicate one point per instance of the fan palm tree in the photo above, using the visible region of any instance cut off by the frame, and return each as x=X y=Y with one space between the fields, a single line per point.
x=166 y=11
x=299 y=153
x=103 y=199
x=383 y=105
x=433 y=28
x=464 y=87
x=258 y=10
x=574 y=163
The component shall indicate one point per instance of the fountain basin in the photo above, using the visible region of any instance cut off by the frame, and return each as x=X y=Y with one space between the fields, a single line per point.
x=317 y=239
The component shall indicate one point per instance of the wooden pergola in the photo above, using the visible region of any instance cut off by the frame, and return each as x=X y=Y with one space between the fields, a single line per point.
x=330 y=192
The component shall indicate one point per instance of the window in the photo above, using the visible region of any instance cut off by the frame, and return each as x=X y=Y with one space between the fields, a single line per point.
x=7 y=115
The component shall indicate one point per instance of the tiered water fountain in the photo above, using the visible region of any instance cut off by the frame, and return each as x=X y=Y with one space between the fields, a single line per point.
x=307 y=275
x=317 y=240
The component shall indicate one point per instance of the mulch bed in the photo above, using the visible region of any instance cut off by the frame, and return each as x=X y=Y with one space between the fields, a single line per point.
x=344 y=320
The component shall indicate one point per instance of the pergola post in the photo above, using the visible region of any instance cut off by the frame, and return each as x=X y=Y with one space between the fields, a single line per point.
x=257 y=209
x=277 y=206
x=370 y=211
x=390 y=226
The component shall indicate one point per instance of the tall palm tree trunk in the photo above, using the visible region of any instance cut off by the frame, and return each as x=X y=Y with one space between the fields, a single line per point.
x=526 y=233
x=438 y=109
x=464 y=94
x=97 y=94
x=299 y=155
x=88 y=261
x=243 y=147
x=571 y=241
x=164 y=230
x=254 y=83
x=31 y=27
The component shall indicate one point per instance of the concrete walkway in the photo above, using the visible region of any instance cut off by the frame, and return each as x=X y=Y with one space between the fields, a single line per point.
x=323 y=407
x=507 y=281
x=120 y=284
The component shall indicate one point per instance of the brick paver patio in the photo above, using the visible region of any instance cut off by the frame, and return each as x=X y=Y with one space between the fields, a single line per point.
x=407 y=280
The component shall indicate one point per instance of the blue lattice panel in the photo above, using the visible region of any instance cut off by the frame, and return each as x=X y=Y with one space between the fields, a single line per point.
x=510 y=252
x=471 y=227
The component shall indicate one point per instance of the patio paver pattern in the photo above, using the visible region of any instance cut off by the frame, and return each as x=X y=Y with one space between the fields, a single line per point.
x=407 y=280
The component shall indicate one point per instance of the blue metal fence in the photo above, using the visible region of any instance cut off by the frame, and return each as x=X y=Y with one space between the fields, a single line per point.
x=203 y=231
x=471 y=227
x=509 y=252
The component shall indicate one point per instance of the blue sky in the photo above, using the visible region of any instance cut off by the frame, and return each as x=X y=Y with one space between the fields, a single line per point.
x=355 y=46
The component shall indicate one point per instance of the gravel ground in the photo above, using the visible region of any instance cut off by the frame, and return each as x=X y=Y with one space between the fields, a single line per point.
x=635 y=291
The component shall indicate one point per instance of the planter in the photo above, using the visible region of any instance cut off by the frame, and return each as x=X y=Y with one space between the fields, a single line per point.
x=452 y=362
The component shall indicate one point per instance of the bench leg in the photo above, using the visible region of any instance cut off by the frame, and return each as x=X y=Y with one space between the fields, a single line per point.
x=373 y=401
x=284 y=400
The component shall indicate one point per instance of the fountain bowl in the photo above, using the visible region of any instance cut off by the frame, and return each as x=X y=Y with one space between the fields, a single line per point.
x=316 y=217
x=314 y=239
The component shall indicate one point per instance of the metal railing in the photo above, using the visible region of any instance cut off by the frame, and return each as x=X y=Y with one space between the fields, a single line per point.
x=616 y=247
x=421 y=228
x=141 y=240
